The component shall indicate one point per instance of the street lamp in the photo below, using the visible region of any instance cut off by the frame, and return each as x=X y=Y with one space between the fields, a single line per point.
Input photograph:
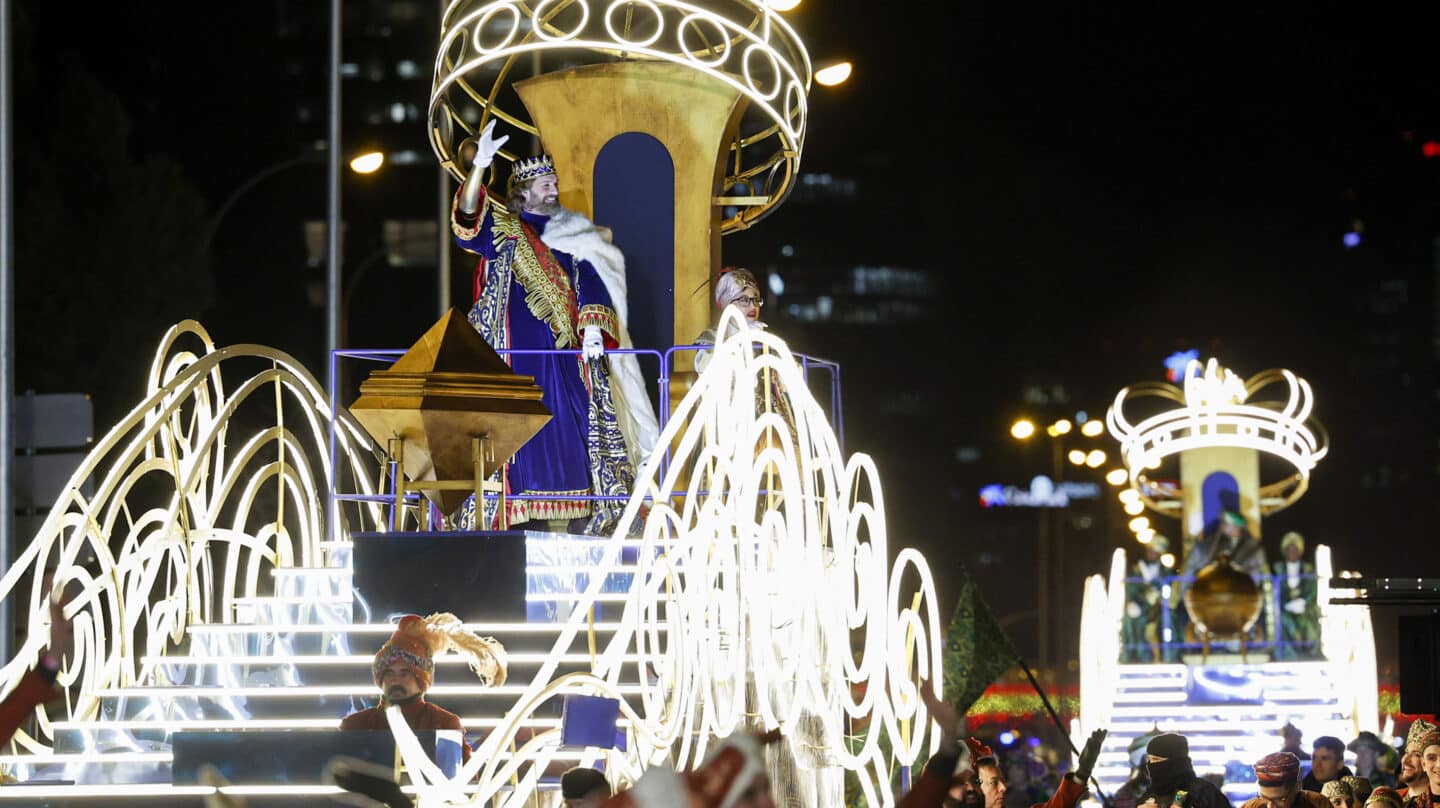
x=834 y=74
x=1023 y=429
x=367 y=163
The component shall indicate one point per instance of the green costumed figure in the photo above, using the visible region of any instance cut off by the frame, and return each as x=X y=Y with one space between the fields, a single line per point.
x=1299 y=610
x=1144 y=590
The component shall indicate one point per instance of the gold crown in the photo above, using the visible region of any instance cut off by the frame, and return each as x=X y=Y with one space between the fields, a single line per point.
x=532 y=167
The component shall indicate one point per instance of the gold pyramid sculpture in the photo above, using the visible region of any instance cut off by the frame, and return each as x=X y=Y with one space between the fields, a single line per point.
x=448 y=390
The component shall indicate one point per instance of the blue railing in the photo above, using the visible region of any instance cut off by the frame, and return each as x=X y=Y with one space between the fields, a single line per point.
x=1268 y=634
x=665 y=360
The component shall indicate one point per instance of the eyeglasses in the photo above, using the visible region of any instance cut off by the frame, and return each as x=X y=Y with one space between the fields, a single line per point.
x=749 y=300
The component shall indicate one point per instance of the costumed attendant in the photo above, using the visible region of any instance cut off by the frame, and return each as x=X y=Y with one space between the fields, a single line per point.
x=404 y=668
x=1300 y=613
x=548 y=278
x=1278 y=777
x=1412 y=762
x=734 y=287
x=1427 y=794
x=737 y=287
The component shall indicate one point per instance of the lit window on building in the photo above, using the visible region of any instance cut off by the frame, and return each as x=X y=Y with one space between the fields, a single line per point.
x=397 y=112
x=349 y=70
x=406 y=69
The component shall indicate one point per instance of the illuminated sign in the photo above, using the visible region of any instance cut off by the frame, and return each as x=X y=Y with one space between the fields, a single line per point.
x=1042 y=493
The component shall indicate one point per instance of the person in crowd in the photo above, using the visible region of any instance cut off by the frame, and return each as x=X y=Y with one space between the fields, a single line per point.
x=1140 y=630
x=1129 y=794
x=404 y=668
x=1339 y=793
x=37 y=686
x=1327 y=762
x=1385 y=797
x=1426 y=793
x=1372 y=760
x=549 y=279
x=1172 y=776
x=1412 y=770
x=1299 y=610
x=1293 y=738
x=1361 y=787
x=956 y=772
x=584 y=787
x=1277 y=776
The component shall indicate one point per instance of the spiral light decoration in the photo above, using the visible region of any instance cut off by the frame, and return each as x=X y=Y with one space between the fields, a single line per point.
x=183 y=518
x=764 y=553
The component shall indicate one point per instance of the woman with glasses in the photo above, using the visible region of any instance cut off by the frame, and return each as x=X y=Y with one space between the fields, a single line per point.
x=737 y=287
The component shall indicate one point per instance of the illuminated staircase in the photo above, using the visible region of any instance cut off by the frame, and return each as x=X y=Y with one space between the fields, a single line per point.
x=290 y=661
x=1231 y=714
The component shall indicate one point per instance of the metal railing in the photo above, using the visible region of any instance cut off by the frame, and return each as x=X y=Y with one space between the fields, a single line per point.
x=1268 y=633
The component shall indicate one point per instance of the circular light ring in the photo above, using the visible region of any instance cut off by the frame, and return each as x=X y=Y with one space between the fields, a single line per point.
x=694 y=21
x=618 y=36
x=481 y=22
x=541 y=25
x=771 y=62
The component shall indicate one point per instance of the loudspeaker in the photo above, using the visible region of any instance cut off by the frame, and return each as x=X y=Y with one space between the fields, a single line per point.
x=1420 y=663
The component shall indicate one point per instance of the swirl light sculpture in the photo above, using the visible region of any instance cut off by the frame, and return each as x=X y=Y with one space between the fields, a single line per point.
x=485 y=46
x=1218 y=408
x=188 y=513
x=764 y=555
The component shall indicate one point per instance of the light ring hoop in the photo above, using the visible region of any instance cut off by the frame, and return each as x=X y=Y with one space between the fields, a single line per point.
x=538 y=23
x=483 y=22
x=750 y=79
x=690 y=21
x=639 y=43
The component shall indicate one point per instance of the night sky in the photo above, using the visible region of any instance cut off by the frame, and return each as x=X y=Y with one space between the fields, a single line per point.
x=1092 y=185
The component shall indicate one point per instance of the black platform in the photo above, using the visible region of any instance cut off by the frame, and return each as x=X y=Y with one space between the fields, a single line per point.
x=477 y=576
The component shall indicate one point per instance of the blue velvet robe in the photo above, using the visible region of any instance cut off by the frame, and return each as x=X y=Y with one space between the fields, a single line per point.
x=555 y=461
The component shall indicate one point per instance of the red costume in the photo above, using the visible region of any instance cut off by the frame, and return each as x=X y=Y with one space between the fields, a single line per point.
x=420 y=715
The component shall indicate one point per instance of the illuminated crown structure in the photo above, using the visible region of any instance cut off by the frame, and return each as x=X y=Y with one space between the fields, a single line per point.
x=532 y=168
x=488 y=45
x=1218 y=409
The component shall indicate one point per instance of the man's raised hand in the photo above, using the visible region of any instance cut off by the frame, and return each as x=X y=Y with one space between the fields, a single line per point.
x=487 y=145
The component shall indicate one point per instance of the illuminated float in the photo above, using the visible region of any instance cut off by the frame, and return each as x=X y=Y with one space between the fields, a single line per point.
x=209 y=540
x=1192 y=453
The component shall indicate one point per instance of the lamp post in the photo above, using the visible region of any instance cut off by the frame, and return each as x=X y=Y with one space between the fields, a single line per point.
x=1050 y=527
